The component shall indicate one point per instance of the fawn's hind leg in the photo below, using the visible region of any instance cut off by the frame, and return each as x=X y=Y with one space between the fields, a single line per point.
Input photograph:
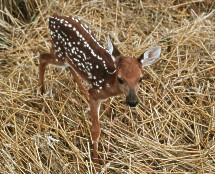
x=50 y=58
x=44 y=60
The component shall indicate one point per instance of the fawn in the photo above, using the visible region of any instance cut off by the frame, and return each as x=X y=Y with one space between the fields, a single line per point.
x=107 y=72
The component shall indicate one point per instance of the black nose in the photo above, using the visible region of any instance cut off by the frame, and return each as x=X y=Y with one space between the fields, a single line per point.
x=132 y=102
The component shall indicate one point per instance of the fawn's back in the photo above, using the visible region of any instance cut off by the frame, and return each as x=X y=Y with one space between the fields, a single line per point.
x=75 y=45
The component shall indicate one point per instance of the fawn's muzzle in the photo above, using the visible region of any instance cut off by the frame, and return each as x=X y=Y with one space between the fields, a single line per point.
x=132 y=99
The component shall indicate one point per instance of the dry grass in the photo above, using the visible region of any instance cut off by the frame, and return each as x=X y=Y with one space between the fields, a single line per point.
x=171 y=131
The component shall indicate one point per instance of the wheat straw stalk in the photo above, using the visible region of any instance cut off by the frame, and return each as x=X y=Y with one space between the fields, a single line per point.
x=172 y=129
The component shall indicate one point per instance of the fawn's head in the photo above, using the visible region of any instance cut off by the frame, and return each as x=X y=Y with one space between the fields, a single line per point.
x=129 y=70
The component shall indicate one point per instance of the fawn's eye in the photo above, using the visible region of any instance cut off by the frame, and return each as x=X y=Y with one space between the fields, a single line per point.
x=120 y=80
x=140 y=79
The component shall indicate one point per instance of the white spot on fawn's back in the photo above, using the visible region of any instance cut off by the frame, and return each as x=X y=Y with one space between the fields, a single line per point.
x=79 y=50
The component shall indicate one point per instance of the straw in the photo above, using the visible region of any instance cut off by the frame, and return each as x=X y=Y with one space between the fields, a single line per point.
x=172 y=129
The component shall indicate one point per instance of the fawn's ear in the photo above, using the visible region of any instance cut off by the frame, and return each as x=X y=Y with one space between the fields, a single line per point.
x=113 y=50
x=150 y=56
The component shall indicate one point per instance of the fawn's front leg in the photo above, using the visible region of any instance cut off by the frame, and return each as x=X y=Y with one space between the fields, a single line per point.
x=95 y=130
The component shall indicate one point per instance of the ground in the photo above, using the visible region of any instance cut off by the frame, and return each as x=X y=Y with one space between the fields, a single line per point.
x=172 y=129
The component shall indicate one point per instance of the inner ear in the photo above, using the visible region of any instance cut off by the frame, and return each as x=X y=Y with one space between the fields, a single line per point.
x=150 y=56
x=110 y=46
x=113 y=50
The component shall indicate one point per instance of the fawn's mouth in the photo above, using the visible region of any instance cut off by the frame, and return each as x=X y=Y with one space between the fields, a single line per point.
x=132 y=104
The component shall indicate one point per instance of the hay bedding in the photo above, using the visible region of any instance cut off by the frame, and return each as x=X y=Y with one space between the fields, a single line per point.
x=171 y=131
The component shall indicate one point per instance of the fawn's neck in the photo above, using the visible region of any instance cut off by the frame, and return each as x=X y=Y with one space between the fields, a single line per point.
x=113 y=89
